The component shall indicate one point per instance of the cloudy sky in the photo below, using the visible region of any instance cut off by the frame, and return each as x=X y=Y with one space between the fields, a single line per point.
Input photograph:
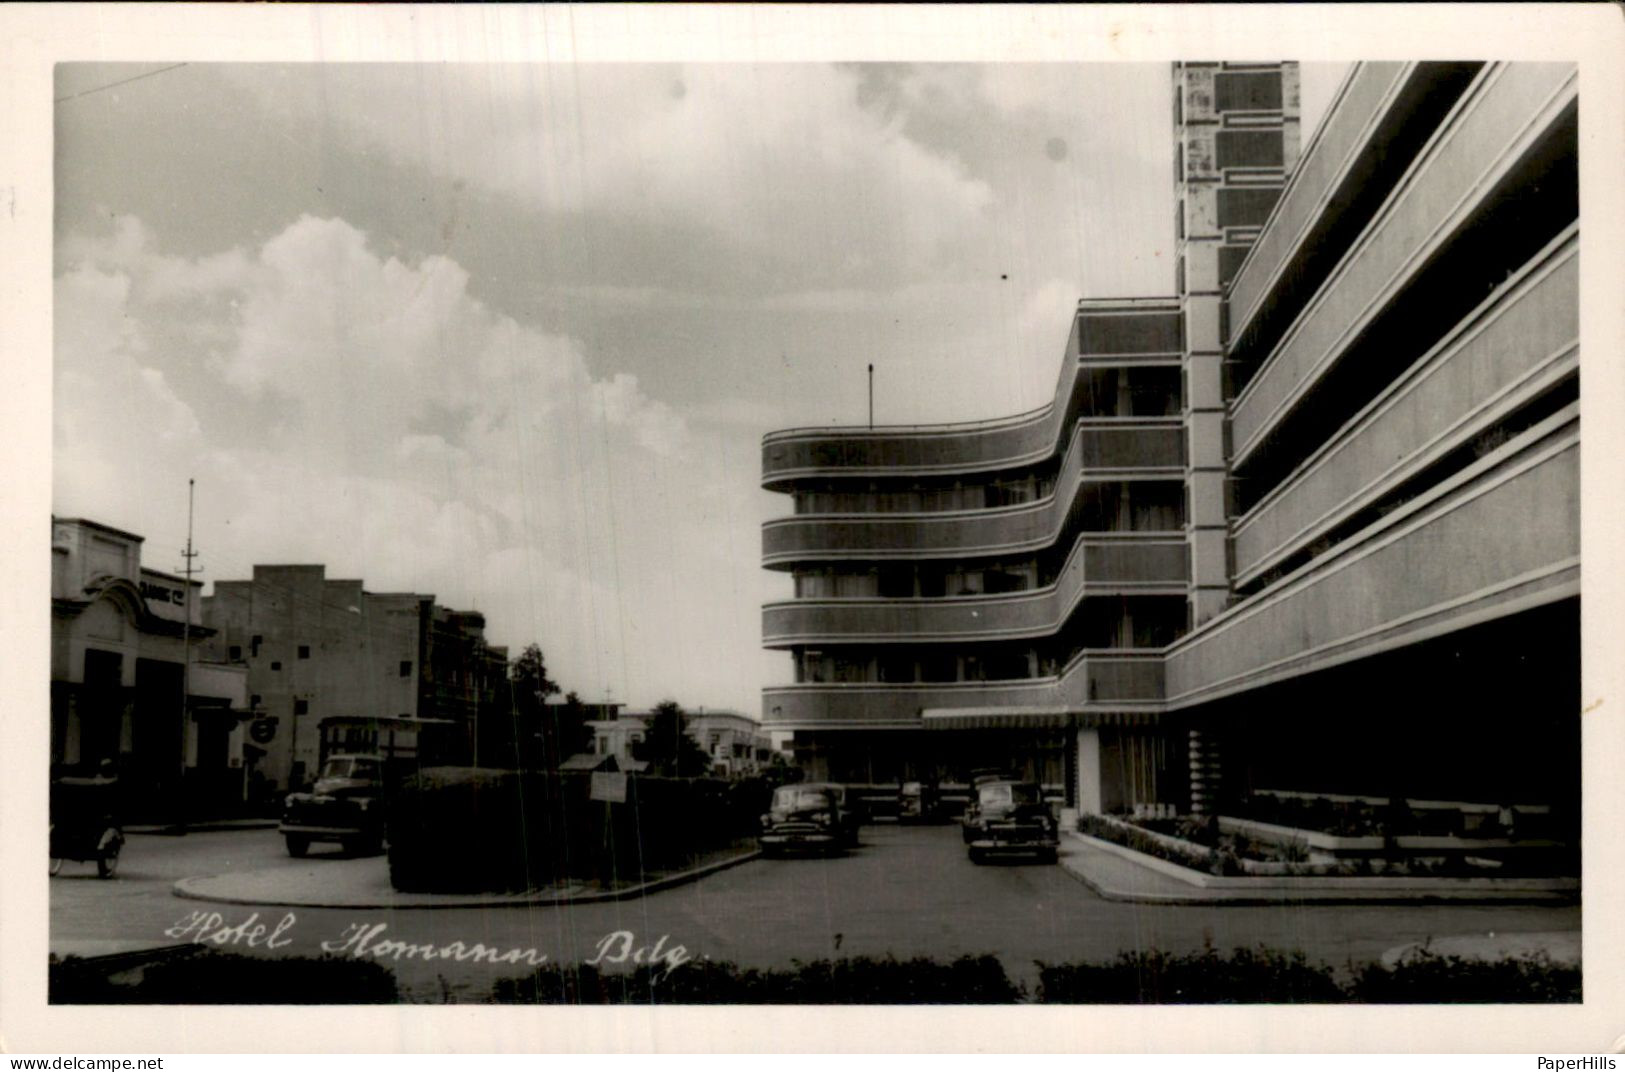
x=511 y=334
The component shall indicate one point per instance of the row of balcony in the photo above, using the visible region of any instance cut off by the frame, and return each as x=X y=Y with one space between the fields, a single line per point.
x=1514 y=347
x=1102 y=452
x=1119 y=678
x=1096 y=566
x=1366 y=98
x=1503 y=115
x=1499 y=537
x=1130 y=333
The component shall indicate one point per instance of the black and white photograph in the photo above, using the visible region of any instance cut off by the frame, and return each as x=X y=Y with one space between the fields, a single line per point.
x=538 y=521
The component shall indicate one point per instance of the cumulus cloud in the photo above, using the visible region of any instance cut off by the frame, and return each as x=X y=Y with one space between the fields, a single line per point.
x=341 y=406
x=777 y=160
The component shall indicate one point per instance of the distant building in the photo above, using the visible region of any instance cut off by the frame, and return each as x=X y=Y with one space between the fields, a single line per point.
x=1307 y=524
x=117 y=665
x=735 y=743
x=315 y=647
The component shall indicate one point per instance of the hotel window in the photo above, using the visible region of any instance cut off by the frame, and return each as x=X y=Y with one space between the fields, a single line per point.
x=896 y=668
x=849 y=669
x=276 y=666
x=1247 y=92
x=939 y=668
x=254 y=644
x=235 y=653
x=304 y=651
x=406 y=667
x=301 y=707
x=897 y=582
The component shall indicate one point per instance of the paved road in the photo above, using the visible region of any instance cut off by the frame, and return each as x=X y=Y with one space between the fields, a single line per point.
x=906 y=891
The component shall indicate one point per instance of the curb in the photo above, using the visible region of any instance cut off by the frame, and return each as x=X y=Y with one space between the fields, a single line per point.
x=513 y=900
x=1278 y=895
x=173 y=830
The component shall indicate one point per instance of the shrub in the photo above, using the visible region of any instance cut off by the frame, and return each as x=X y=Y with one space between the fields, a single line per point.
x=1158 y=978
x=849 y=981
x=1445 y=979
x=1218 y=860
x=469 y=829
x=213 y=978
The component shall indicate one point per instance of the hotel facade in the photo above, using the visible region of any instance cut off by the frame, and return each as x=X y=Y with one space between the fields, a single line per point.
x=1309 y=523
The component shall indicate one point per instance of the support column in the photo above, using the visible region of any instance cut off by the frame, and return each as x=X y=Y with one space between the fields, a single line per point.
x=1206 y=773
x=1089 y=792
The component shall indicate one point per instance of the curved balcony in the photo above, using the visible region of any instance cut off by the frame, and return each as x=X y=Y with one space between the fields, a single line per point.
x=1501 y=536
x=1118 y=679
x=1511 y=349
x=1138 y=565
x=1504 y=114
x=1103 y=448
x=976 y=446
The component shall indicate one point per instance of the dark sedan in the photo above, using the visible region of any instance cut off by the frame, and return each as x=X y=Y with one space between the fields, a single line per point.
x=1011 y=818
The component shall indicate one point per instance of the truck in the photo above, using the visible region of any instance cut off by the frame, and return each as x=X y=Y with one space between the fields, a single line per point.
x=362 y=760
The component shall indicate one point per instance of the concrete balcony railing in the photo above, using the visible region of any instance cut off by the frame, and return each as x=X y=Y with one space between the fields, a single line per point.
x=1115 y=446
x=1138 y=565
x=1503 y=113
x=1116 y=678
x=1369 y=90
x=1500 y=536
x=968 y=447
x=1515 y=346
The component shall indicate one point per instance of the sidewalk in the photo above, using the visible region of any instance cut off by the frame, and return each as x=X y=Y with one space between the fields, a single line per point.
x=1118 y=874
x=364 y=883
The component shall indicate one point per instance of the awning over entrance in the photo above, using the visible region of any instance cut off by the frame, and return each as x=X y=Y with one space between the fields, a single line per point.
x=1029 y=718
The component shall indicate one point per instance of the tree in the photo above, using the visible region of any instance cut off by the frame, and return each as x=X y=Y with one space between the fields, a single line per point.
x=536 y=734
x=667 y=746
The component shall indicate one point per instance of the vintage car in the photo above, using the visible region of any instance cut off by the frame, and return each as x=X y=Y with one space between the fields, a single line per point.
x=918 y=802
x=803 y=818
x=1011 y=817
x=345 y=805
x=853 y=812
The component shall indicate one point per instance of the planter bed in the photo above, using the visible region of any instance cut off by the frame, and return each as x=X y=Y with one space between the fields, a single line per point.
x=1215 y=866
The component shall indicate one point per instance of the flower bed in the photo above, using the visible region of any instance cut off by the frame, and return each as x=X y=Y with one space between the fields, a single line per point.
x=1218 y=845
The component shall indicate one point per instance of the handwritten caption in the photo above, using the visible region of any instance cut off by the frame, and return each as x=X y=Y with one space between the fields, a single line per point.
x=360 y=940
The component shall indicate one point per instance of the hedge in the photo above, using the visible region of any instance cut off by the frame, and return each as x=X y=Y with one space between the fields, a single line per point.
x=209 y=977
x=1158 y=978
x=215 y=978
x=1445 y=979
x=464 y=829
x=851 y=981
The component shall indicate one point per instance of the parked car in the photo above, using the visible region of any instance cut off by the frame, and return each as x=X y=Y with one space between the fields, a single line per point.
x=345 y=805
x=803 y=817
x=979 y=778
x=1011 y=817
x=918 y=802
x=852 y=812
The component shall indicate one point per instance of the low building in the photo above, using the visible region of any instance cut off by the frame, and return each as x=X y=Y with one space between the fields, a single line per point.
x=315 y=647
x=121 y=659
x=736 y=744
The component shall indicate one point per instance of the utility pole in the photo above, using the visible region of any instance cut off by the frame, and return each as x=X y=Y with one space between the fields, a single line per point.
x=871 y=396
x=186 y=658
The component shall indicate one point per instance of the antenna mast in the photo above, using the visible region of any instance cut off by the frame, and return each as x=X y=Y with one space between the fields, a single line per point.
x=186 y=656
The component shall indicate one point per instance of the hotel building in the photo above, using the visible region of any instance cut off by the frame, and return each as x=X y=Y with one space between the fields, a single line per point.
x=1308 y=523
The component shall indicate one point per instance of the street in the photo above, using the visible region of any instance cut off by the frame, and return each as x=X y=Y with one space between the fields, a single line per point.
x=906 y=891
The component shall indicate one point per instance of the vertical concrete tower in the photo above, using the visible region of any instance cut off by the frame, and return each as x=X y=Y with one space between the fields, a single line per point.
x=1236 y=138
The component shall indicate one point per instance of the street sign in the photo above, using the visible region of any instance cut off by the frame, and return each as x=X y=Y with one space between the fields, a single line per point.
x=608 y=786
